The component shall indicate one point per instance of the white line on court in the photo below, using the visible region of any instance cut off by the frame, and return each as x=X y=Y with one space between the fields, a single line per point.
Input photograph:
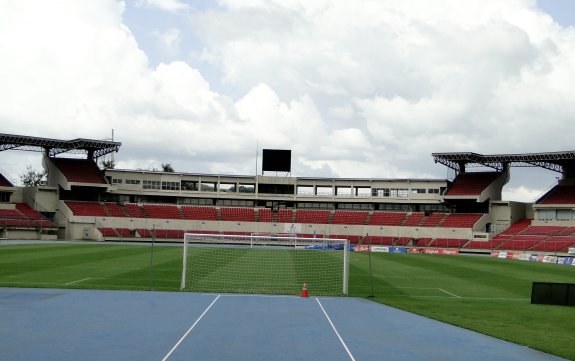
x=449 y=293
x=335 y=330
x=190 y=329
x=77 y=281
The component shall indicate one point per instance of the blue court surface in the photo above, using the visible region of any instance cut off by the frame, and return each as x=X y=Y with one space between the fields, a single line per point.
x=53 y=324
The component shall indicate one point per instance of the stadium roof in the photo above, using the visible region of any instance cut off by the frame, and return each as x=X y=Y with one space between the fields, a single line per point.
x=51 y=147
x=563 y=162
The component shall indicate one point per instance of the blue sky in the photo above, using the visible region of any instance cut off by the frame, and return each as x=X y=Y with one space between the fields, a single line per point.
x=562 y=11
x=368 y=88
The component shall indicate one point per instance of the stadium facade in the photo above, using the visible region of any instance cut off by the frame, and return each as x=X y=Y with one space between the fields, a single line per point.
x=82 y=201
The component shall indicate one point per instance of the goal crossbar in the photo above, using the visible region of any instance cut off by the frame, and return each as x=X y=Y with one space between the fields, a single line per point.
x=264 y=264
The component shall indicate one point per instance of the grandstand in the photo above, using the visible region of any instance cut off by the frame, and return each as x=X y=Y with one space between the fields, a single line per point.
x=82 y=201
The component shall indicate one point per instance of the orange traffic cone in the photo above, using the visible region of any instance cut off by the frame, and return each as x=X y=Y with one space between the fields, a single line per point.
x=304 y=290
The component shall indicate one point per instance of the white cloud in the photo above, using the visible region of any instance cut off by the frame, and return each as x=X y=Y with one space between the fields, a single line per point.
x=169 y=41
x=522 y=194
x=366 y=88
x=165 y=5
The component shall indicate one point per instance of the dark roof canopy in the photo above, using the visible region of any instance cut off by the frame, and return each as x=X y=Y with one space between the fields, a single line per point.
x=563 y=162
x=51 y=147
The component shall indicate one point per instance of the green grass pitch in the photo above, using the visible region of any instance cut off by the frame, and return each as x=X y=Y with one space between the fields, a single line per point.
x=264 y=270
x=484 y=294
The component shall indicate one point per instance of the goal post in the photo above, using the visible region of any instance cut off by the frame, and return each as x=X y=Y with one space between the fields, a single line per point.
x=264 y=264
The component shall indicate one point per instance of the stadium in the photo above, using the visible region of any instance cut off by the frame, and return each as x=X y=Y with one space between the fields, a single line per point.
x=467 y=214
x=418 y=219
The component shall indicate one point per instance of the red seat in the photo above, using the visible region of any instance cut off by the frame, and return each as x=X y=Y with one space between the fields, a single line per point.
x=162 y=211
x=134 y=211
x=264 y=215
x=285 y=216
x=312 y=216
x=471 y=184
x=237 y=214
x=387 y=218
x=559 y=195
x=202 y=213
x=93 y=209
x=349 y=217
x=460 y=220
x=79 y=170
x=414 y=219
x=433 y=220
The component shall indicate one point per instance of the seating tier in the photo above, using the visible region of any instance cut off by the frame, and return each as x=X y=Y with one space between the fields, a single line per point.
x=79 y=208
x=559 y=195
x=472 y=183
x=312 y=216
x=237 y=214
x=387 y=218
x=80 y=170
x=201 y=213
x=349 y=217
x=460 y=220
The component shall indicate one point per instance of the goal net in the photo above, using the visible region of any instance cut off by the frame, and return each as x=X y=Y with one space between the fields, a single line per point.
x=264 y=264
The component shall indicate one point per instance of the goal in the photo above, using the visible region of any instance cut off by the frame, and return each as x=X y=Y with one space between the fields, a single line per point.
x=265 y=264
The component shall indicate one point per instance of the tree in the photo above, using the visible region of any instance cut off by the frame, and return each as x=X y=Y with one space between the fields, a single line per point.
x=108 y=164
x=167 y=167
x=33 y=178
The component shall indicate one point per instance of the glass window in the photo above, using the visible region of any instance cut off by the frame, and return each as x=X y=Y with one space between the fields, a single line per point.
x=247 y=188
x=171 y=186
x=305 y=190
x=151 y=184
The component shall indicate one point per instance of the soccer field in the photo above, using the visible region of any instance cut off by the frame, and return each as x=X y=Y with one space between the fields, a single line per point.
x=488 y=295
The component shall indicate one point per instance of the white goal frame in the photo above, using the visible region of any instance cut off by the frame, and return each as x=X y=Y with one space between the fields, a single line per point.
x=267 y=242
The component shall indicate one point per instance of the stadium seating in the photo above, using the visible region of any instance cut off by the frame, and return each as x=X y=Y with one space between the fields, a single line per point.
x=79 y=170
x=108 y=232
x=124 y=232
x=387 y=218
x=349 y=217
x=422 y=242
x=555 y=244
x=264 y=215
x=144 y=233
x=114 y=210
x=377 y=241
x=460 y=220
x=201 y=213
x=471 y=184
x=93 y=209
x=285 y=216
x=542 y=230
x=491 y=244
x=517 y=227
x=10 y=213
x=162 y=211
x=134 y=211
x=312 y=216
x=35 y=217
x=414 y=219
x=559 y=195
x=567 y=231
x=237 y=214
x=403 y=241
x=433 y=220
x=169 y=233
x=521 y=243
x=447 y=242
x=353 y=239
